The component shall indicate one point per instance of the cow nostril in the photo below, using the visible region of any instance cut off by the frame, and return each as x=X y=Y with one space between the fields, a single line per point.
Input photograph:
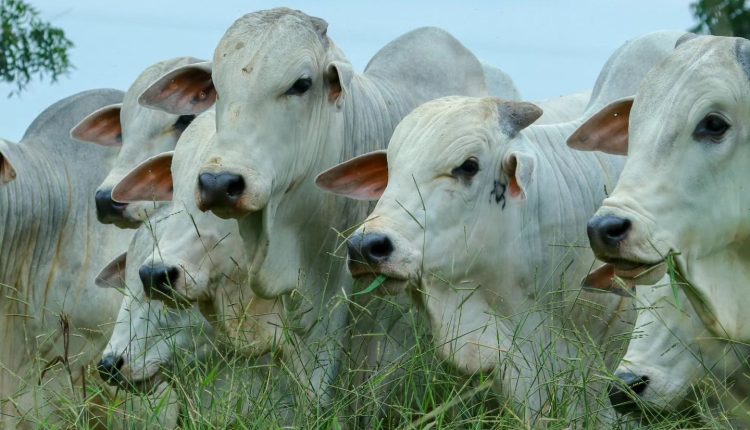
x=622 y=398
x=607 y=232
x=376 y=248
x=158 y=279
x=235 y=185
x=109 y=368
x=108 y=210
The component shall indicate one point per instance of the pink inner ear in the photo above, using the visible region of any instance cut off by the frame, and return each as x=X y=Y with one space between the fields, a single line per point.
x=149 y=181
x=7 y=172
x=187 y=91
x=102 y=127
x=361 y=178
x=514 y=188
x=606 y=131
x=113 y=275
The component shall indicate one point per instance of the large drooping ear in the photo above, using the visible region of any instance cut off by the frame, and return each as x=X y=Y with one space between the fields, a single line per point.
x=606 y=130
x=149 y=181
x=102 y=127
x=113 y=274
x=7 y=172
x=186 y=90
x=361 y=178
x=338 y=78
x=515 y=116
x=519 y=167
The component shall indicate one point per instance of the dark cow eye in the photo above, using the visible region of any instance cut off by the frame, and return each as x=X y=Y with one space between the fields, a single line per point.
x=467 y=169
x=713 y=127
x=183 y=121
x=299 y=87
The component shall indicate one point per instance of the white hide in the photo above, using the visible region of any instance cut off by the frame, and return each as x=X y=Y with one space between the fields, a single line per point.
x=673 y=348
x=682 y=189
x=52 y=247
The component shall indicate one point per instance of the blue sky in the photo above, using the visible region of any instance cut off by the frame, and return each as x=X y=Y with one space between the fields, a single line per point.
x=549 y=47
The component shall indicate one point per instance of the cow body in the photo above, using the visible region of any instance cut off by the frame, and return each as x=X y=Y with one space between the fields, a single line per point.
x=52 y=247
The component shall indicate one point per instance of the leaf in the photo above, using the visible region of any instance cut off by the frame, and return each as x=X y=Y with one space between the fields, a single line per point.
x=373 y=285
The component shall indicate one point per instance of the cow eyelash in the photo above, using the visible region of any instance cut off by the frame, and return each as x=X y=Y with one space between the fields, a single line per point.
x=712 y=127
x=467 y=170
x=299 y=87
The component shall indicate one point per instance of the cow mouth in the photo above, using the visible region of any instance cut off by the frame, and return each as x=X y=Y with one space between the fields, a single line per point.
x=621 y=276
x=144 y=385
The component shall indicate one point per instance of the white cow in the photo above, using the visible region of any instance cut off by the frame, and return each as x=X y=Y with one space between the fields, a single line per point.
x=289 y=105
x=197 y=256
x=670 y=356
x=51 y=247
x=482 y=213
x=139 y=133
x=682 y=200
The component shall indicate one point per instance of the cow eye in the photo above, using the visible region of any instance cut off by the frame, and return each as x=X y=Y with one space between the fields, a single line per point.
x=182 y=122
x=713 y=127
x=467 y=169
x=299 y=87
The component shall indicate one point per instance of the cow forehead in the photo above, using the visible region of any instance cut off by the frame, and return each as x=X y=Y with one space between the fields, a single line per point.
x=260 y=50
x=441 y=128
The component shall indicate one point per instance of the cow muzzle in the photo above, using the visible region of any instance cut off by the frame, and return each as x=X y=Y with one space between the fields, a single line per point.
x=625 y=393
x=606 y=234
x=367 y=251
x=159 y=282
x=109 y=211
x=220 y=192
x=109 y=369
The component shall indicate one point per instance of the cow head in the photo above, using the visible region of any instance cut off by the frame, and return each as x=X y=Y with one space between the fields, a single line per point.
x=687 y=137
x=669 y=354
x=451 y=207
x=146 y=336
x=139 y=133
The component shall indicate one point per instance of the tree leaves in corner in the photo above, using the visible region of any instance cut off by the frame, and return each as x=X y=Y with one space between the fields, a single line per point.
x=722 y=17
x=30 y=47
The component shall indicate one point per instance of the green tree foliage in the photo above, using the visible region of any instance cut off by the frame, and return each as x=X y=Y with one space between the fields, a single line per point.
x=29 y=47
x=722 y=17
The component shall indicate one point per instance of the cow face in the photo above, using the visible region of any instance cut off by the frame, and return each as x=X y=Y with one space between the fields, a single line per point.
x=147 y=335
x=280 y=87
x=139 y=132
x=682 y=191
x=670 y=352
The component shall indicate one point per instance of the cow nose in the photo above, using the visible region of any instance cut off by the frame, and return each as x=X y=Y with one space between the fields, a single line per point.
x=108 y=210
x=158 y=280
x=607 y=232
x=109 y=368
x=372 y=248
x=620 y=393
x=220 y=190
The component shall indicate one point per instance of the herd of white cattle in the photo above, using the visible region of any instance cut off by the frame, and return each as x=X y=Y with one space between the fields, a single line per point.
x=240 y=193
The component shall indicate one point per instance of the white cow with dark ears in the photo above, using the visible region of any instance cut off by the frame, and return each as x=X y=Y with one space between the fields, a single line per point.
x=480 y=214
x=139 y=133
x=683 y=196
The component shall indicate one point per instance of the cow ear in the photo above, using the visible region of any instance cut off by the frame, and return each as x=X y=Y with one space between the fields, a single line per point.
x=149 y=181
x=606 y=130
x=361 y=178
x=113 y=274
x=186 y=90
x=515 y=116
x=519 y=167
x=7 y=172
x=338 y=78
x=102 y=127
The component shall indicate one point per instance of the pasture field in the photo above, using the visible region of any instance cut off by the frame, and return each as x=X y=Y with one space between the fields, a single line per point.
x=421 y=391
